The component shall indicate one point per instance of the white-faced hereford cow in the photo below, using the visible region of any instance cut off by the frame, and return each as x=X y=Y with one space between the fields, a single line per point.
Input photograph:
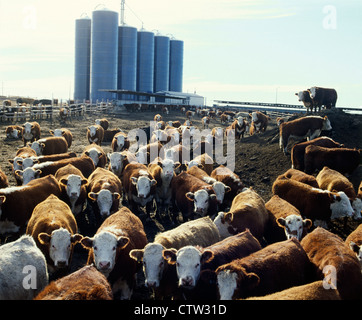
x=260 y=121
x=323 y=97
x=54 y=229
x=120 y=142
x=304 y=96
x=95 y=134
x=73 y=186
x=97 y=154
x=105 y=191
x=274 y=268
x=332 y=180
x=50 y=145
x=109 y=249
x=65 y=133
x=17 y=203
x=31 y=132
x=309 y=127
x=316 y=204
x=334 y=262
x=14 y=132
x=119 y=160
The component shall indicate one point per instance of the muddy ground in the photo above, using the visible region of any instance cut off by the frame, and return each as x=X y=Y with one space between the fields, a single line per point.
x=258 y=160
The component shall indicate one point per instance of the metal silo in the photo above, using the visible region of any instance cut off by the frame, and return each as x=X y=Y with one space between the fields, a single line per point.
x=176 y=65
x=104 y=53
x=145 y=60
x=162 y=61
x=127 y=58
x=82 y=58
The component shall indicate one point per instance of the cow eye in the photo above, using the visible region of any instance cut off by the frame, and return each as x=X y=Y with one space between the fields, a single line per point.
x=197 y=265
x=114 y=248
x=95 y=248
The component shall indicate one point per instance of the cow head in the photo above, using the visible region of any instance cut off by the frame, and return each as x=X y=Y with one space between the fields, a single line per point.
x=28 y=174
x=357 y=249
x=340 y=205
x=294 y=225
x=57 y=132
x=116 y=160
x=326 y=124
x=153 y=263
x=121 y=139
x=37 y=147
x=312 y=92
x=104 y=199
x=94 y=154
x=60 y=243
x=168 y=167
x=143 y=185
x=73 y=184
x=93 y=130
x=201 y=199
x=188 y=262
x=357 y=208
x=104 y=247
x=220 y=189
x=27 y=127
x=13 y=133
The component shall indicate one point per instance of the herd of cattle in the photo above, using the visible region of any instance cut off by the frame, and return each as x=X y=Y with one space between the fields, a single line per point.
x=227 y=243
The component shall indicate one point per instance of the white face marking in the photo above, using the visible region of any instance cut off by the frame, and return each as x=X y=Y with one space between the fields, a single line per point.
x=222 y=227
x=357 y=208
x=13 y=134
x=227 y=283
x=36 y=147
x=188 y=266
x=29 y=174
x=27 y=127
x=219 y=189
x=168 y=167
x=153 y=264
x=327 y=125
x=104 y=201
x=342 y=208
x=92 y=130
x=300 y=96
x=27 y=163
x=60 y=245
x=201 y=201
x=17 y=166
x=294 y=226
x=313 y=92
x=94 y=155
x=143 y=187
x=120 y=141
x=58 y=133
x=73 y=187
x=116 y=162
x=254 y=116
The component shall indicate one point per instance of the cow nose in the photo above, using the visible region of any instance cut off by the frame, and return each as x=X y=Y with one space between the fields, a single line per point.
x=103 y=265
x=61 y=263
x=74 y=194
x=151 y=284
x=186 y=282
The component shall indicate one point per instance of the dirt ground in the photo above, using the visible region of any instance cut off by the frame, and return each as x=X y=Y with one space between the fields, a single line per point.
x=258 y=160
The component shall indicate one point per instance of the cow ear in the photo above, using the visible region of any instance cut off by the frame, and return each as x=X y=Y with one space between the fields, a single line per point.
x=84 y=181
x=227 y=189
x=44 y=238
x=93 y=196
x=281 y=222
x=170 y=255
x=19 y=173
x=354 y=247
x=116 y=196
x=87 y=242
x=63 y=181
x=213 y=196
x=228 y=217
x=252 y=280
x=137 y=254
x=2 y=199
x=307 y=223
x=76 y=238
x=134 y=180
x=190 y=196
x=207 y=256
x=177 y=164
x=122 y=242
x=153 y=182
x=51 y=132
x=38 y=173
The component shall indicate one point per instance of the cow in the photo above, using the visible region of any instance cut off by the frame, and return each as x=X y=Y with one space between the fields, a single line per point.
x=83 y=163
x=86 y=283
x=175 y=124
x=159 y=135
x=120 y=142
x=119 y=160
x=260 y=121
x=139 y=187
x=285 y=221
x=16 y=163
x=73 y=186
x=27 y=175
x=163 y=172
x=192 y=195
x=240 y=126
x=298 y=150
x=104 y=123
x=14 y=132
x=95 y=134
x=4 y=182
x=203 y=161
x=304 y=96
x=17 y=257
x=334 y=263
x=64 y=113
x=354 y=241
x=301 y=177
x=160 y=276
x=31 y=132
x=323 y=97
x=319 y=205
x=309 y=127
x=97 y=154
x=17 y=203
x=109 y=249
x=190 y=260
x=65 y=133
x=104 y=190
x=54 y=229
x=332 y=180
x=157 y=117
x=205 y=122
x=276 y=267
x=49 y=146
x=312 y=291
x=343 y=160
x=247 y=211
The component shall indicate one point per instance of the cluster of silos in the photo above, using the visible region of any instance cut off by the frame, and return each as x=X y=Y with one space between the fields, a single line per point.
x=109 y=57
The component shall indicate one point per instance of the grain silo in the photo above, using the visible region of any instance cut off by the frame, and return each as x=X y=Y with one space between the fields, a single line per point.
x=176 y=65
x=162 y=62
x=104 y=53
x=127 y=58
x=145 y=60
x=82 y=58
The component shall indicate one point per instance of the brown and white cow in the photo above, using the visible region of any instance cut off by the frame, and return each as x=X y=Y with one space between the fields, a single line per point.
x=65 y=133
x=139 y=187
x=323 y=97
x=240 y=125
x=54 y=229
x=120 y=142
x=260 y=121
x=309 y=127
x=31 y=132
x=344 y=160
x=50 y=145
x=27 y=175
x=205 y=122
x=301 y=177
x=95 y=134
x=203 y=161
x=247 y=212
x=73 y=186
x=354 y=241
x=334 y=262
x=97 y=154
x=104 y=123
x=86 y=283
x=332 y=180
x=105 y=191
x=304 y=96
x=17 y=203
x=109 y=249
x=298 y=150
x=319 y=205
x=276 y=267
x=14 y=132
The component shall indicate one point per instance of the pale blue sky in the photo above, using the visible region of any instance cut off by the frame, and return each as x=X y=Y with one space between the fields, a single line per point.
x=243 y=50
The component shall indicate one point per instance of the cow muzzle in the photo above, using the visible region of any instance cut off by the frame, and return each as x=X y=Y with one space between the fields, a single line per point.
x=187 y=282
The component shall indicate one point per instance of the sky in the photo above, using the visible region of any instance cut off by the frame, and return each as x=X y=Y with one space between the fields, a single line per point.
x=235 y=50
